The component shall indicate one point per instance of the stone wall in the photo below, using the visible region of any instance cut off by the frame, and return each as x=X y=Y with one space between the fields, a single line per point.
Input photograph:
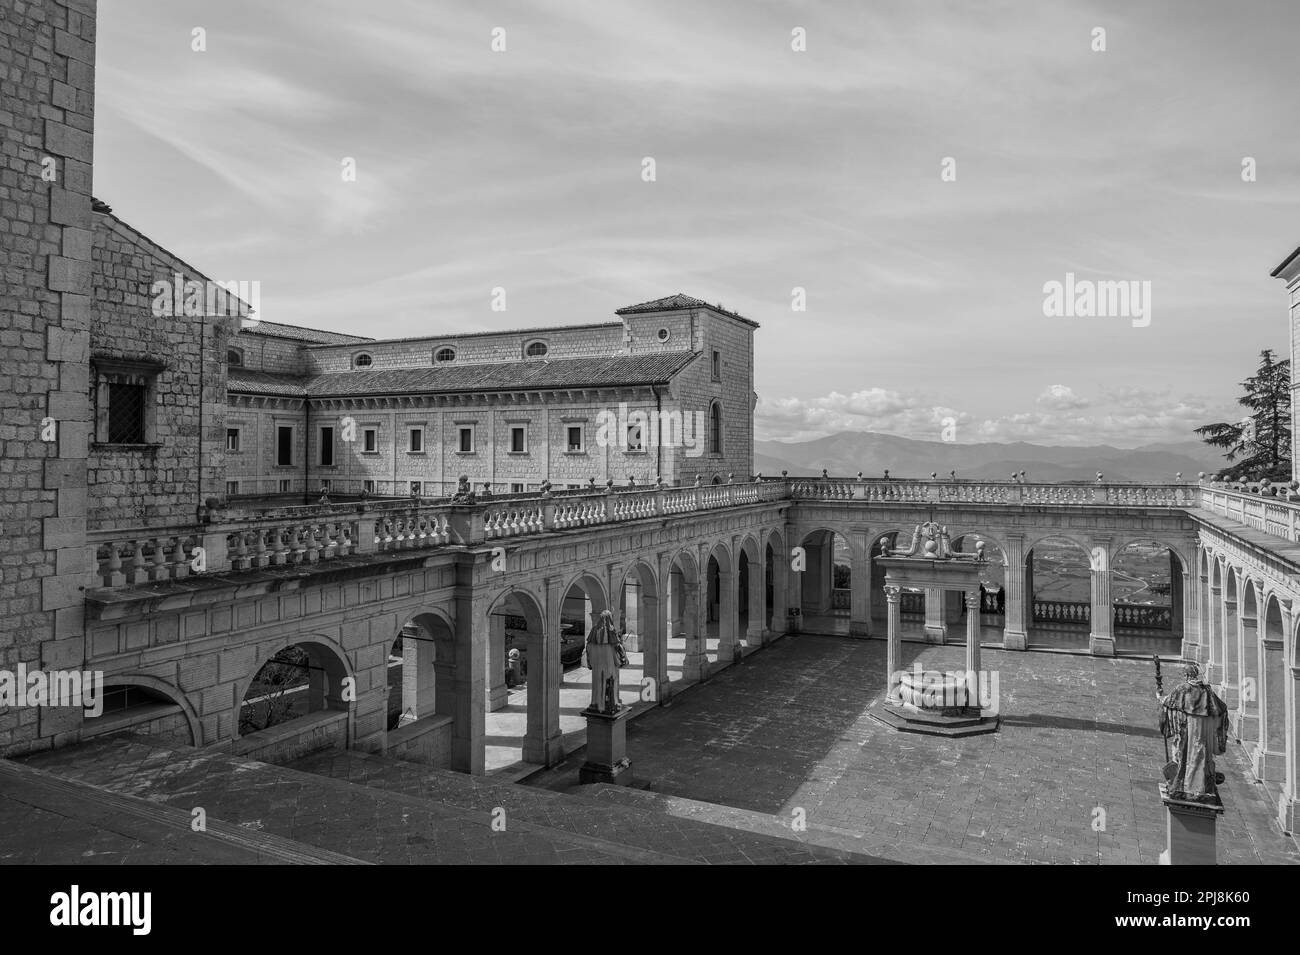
x=46 y=152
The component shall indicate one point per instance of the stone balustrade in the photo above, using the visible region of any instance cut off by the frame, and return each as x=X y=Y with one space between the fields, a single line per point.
x=991 y=492
x=1255 y=506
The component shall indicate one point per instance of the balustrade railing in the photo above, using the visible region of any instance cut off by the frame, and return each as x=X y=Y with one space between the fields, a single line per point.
x=1062 y=611
x=1271 y=511
x=991 y=492
x=1143 y=617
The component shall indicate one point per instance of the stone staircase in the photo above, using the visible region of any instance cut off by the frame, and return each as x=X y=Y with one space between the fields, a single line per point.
x=349 y=807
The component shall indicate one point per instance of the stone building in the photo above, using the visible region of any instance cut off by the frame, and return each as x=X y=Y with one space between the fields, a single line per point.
x=666 y=392
x=1289 y=272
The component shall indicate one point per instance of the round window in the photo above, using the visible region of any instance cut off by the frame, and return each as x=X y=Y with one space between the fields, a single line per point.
x=664 y=334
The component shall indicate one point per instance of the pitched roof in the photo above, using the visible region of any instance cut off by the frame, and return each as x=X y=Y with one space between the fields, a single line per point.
x=681 y=300
x=539 y=331
x=649 y=369
x=1285 y=262
x=300 y=334
x=244 y=381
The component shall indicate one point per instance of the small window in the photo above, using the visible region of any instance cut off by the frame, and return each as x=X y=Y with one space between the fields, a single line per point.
x=286 y=485
x=370 y=441
x=232 y=487
x=518 y=439
x=444 y=355
x=536 y=350
x=575 y=437
x=234 y=357
x=664 y=334
x=284 y=446
x=415 y=489
x=362 y=361
x=126 y=411
x=467 y=440
x=634 y=438
x=368 y=487
x=327 y=447
x=232 y=439
x=326 y=486
x=415 y=445
x=715 y=428
x=516 y=489
x=717 y=366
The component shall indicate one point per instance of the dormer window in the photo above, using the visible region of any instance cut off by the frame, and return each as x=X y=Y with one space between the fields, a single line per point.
x=234 y=357
x=444 y=355
x=536 y=350
x=362 y=361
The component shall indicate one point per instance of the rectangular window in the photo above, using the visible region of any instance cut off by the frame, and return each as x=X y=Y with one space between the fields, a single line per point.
x=232 y=439
x=325 y=486
x=467 y=440
x=717 y=366
x=327 y=447
x=370 y=441
x=368 y=487
x=232 y=487
x=416 y=443
x=284 y=446
x=634 y=438
x=518 y=439
x=516 y=489
x=126 y=411
x=575 y=437
x=286 y=485
x=415 y=489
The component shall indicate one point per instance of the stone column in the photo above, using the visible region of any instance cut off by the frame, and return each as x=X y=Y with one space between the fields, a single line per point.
x=1214 y=619
x=1202 y=617
x=654 y=650
x=1231 y=641
x=936 y=627
x=497 y=694
x=1246 y=719
x=1015 y=633
x=1101 y=641
x=632 y=614
x=755 y=623
x=1290 y=796
x=1271 y=764
x=542 y=743
x=728 y=615
x=860 y=582
x=973 y=643
x=693 y=630
x=469 y=723
x=780 y=589
x=893 y=640
x=418 y=683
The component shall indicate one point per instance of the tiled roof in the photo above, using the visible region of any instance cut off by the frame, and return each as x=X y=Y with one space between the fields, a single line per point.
x=681 y=300
x=540 y=331
x=649 y=369
x=300 y=334
x=1285 y=263
x=243 y=381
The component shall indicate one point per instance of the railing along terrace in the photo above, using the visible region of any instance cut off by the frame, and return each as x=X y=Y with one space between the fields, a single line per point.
x=1273 y=508
x=914 y=491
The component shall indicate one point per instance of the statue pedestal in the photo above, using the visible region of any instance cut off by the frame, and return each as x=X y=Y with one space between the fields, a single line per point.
x=607 y=760
x=1190 y=831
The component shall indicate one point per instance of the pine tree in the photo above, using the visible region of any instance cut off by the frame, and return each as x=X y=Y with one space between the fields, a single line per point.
x=1258 y=446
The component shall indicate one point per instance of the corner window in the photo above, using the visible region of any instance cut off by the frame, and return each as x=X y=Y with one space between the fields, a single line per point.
x=575 y=438
x=415 y=443
x=518 y=439
x=362 y=361
x=444 y=355
x=232 y=439
x=536 y=350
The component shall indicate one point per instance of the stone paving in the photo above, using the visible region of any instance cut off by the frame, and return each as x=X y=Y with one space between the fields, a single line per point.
x=789 y=729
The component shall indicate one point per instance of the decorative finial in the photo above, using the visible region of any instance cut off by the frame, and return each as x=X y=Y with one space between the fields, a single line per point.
x=784 y=472
x=824 y=474
x=859 y=475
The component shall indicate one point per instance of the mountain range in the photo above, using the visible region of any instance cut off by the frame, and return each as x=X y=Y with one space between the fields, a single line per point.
x=847 y=453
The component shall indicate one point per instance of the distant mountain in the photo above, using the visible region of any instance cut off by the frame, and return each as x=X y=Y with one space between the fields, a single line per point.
x=847 y=453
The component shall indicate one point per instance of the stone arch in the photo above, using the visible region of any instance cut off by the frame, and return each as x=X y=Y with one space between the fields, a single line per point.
x=1246 y=719
x=1144 y=606
x=1060 y=616
x=875 y=574
x=329 y=672
x=1271 y=763
x=718 y=587
x=162 y=688
x=776 y=564
x=818 y=593
x=683 y=631
x=750 y=582
x=540 y=740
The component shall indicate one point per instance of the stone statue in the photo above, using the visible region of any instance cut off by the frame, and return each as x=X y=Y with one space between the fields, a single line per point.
x=604 y=653
x=464 y=493
x=1197 y=721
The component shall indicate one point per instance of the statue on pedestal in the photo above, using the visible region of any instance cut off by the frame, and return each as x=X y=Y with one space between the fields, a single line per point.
x=464 y=493
x=604 y=655
x=1197 y=721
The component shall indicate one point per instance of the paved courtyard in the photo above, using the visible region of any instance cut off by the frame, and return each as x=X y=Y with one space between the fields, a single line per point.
x=789 y=729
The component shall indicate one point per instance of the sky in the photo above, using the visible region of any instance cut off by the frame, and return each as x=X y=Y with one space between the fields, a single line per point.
x=920 y=169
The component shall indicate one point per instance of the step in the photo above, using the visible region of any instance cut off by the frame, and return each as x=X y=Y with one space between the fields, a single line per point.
x=929 y=724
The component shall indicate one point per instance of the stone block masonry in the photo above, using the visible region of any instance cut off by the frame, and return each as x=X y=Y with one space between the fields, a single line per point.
x=45 y=210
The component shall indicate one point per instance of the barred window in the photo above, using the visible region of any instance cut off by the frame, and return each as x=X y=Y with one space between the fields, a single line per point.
x=126 y=410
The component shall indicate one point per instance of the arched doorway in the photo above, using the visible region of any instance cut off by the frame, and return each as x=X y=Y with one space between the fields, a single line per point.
x=295 y=686
x=1058 y=576
x=720 y=606
x=526 y=727
x=826 y=584
x=684 y=630
x=643 y=636
x=1146 y=587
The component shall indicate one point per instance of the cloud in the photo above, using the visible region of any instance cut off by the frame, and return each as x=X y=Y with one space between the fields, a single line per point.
x=1061 y=398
